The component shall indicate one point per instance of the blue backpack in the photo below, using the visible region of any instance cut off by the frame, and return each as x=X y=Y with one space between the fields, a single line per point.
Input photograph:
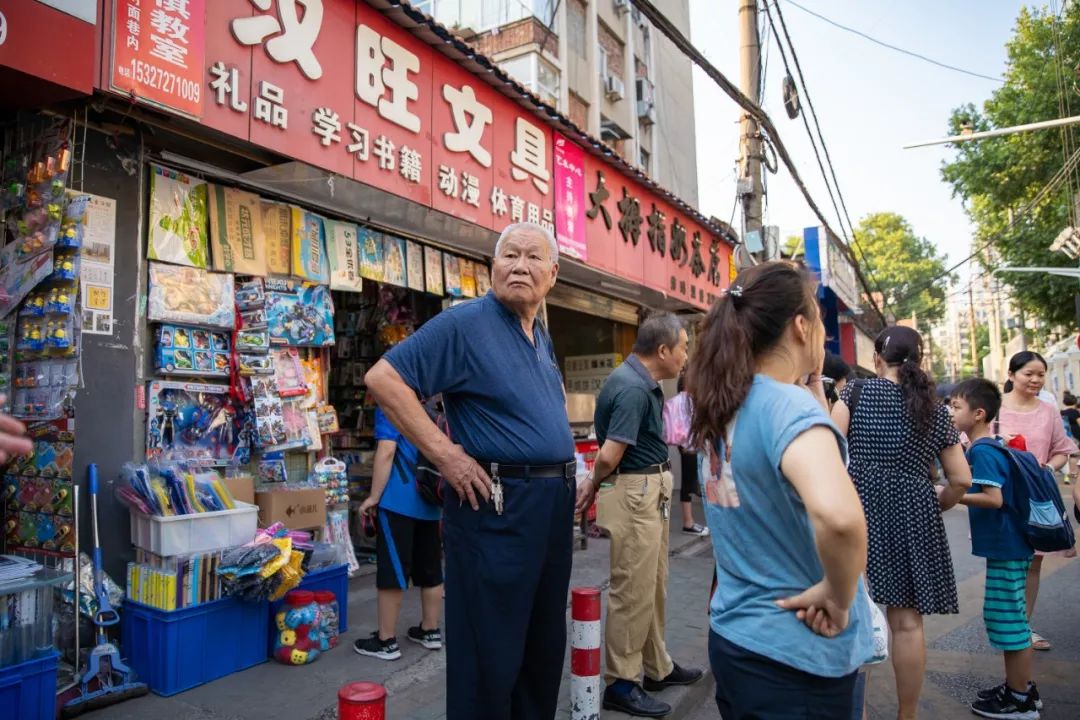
x=1046 y=523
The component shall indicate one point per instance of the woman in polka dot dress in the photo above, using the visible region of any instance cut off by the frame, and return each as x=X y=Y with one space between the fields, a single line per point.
x=896 y=429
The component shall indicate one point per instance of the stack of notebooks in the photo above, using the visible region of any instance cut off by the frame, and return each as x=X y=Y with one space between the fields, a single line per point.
x=14 y=569
x=173 y=583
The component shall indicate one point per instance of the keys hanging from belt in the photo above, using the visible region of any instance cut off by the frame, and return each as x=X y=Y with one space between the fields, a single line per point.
x=665 y=507
x=496 y=489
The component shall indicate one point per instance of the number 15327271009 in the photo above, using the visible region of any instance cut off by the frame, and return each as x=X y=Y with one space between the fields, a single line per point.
x=148 y=75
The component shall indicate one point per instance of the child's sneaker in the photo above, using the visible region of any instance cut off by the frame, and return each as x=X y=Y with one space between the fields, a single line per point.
x=1033 y=693
x=1005 y=705
x=431 y=639
x=374 y=647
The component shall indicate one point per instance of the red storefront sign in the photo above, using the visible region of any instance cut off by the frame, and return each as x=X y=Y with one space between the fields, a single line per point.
x=47 y=43
x=157 y=52
x=336 y=84
x=635 y=234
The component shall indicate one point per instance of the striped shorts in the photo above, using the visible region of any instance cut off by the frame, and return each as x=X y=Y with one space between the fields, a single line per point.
x=1004 y=604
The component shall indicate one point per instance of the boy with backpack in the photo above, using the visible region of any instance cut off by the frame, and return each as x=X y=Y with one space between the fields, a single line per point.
x=996 y=510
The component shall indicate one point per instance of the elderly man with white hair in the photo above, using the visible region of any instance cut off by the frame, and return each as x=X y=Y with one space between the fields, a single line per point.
x=508 y=521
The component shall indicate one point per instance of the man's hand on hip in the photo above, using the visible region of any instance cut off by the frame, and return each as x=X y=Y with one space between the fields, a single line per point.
x=465 y=476
x=586 y=493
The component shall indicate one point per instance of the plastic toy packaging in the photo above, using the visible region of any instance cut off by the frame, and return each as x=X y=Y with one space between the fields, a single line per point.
x=190 y=422
x=65 y=265
x=253 y=341
x=60 y=300
x=253 y=319
x=189 y=295
x=256 y=364
x=186 y=350
x=250 y=294
x=34 y=305
x=288 y=373
x=37 y=240
x=31 y=335
x=330 y=474
x=59 y=332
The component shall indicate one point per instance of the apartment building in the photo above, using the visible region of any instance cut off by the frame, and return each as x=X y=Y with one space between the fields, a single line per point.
x=601 y=64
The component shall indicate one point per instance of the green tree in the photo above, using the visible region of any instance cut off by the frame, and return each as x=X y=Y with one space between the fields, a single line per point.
x=903 y=267
x=996 y=177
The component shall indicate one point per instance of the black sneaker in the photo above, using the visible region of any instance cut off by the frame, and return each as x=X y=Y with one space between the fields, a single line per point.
x=1033 y=693
x=1006 y=706
x=696 y=529
x=678 y=676
x=637 y=702
x=374 y=647
x=431 y=639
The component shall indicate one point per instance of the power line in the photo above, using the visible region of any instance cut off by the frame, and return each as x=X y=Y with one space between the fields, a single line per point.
x=1068 y=167
x=884 y=44
x=853 y=239
x=661 y=23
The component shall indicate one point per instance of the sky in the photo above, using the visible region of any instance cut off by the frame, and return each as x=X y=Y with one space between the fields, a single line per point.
x=871 y=101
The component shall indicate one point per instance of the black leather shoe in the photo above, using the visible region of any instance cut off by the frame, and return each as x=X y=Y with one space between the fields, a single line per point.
x=678 y=676
x=637 y=702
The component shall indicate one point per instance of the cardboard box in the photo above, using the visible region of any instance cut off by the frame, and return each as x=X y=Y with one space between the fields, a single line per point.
x=296 y=509
x=242 y=488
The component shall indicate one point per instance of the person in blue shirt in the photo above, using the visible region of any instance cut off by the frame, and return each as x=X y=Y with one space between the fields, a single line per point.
x=407 y=545
x=790 y=623
x=509 y=510
x=995 y=513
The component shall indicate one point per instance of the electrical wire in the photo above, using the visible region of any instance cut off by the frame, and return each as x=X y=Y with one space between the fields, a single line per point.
x=1052 y=185
x=884 y=44
x=852 y=239
x=661 y=23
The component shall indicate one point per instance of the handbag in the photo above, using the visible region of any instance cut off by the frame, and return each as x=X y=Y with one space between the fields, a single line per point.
x=880 y=627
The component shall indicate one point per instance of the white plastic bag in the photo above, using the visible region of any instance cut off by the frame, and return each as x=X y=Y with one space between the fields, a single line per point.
x=880 y=628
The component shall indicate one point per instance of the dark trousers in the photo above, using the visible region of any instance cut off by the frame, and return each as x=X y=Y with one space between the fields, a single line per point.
x=753 y=687
x=506 y=582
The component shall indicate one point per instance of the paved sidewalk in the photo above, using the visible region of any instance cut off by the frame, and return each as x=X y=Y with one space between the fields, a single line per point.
x=416 y=683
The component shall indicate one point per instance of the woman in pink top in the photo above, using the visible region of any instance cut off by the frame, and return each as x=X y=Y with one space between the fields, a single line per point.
x=1023 y=413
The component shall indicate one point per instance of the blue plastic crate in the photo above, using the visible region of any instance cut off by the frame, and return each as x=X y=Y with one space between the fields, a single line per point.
x=177 y=650
x=28 y=690
x=335 y=579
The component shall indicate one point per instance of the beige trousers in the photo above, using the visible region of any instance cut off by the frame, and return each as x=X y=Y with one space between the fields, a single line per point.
x=630 y=511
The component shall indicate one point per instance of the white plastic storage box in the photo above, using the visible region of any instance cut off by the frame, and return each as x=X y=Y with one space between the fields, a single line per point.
x=195 y=533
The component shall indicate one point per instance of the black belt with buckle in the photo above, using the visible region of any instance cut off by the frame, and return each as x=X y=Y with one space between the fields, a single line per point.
x=562 y=471
x=649 y=469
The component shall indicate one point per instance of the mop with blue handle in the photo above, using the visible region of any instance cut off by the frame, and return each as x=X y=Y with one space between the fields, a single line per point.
x=106 y=680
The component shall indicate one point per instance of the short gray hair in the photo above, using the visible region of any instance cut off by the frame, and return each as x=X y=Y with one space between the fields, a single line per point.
x=529 y=227
x=661 y=328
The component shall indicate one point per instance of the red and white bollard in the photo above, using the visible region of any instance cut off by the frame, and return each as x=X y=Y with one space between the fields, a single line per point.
x=585 y=693
x=362 y=701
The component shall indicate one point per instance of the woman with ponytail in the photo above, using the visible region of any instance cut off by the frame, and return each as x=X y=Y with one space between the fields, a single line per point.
x=785 y=519
x=896 y=429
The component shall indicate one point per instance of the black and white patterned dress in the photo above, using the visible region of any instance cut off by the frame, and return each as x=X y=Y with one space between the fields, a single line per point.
x=909 y=564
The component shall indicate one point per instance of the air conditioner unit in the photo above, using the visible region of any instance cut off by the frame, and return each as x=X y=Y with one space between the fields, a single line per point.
x=622 y=6
x=646 y=112
x=614 y=87
x=644 y=90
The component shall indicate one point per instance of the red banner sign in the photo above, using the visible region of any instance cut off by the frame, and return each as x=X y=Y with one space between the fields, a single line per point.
x=157 y=52
x=336 y=84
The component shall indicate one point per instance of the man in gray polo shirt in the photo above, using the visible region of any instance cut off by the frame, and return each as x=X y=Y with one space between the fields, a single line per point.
x=633 y=475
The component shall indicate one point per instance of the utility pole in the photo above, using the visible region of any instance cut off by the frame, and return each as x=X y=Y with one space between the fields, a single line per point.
x=750 y=186
x=971 y=330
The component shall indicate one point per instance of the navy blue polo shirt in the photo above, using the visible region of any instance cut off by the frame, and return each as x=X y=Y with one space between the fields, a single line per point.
x=630 y=410
x=503 y=395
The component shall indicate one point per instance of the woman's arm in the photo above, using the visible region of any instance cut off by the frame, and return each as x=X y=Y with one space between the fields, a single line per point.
x=841 y=417
x=957 y=473
x=814 y=467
